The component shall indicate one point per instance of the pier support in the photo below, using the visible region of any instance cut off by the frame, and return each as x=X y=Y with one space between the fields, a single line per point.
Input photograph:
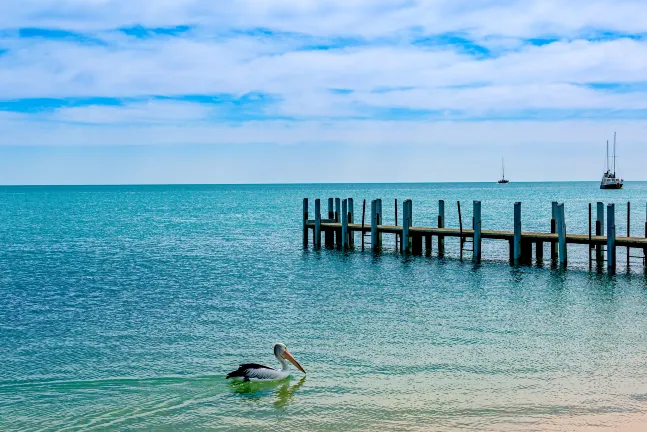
x=407 y=209
x=351 y=219
x=539 y=253
x=441 y=224
x=344 y=224
x=553 y=230
x=561 y=235
x=428 y=245
x=476 y=254
x=374 y=241
x=599 y=231
x=317 y=233
x=305 y=222
x=611 y=238
x=517 y=233
x=338 y=219
x=329 y=235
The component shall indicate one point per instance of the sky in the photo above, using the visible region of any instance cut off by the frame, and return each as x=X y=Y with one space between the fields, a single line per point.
x=289 y=91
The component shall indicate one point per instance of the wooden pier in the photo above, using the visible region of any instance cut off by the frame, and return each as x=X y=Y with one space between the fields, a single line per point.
x=339 y=230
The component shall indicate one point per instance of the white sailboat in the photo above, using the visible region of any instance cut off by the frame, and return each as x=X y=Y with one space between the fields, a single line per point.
x=609 y=179
x=503 y=179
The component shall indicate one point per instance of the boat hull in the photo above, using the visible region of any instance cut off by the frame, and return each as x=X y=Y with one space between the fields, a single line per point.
x=611 y=186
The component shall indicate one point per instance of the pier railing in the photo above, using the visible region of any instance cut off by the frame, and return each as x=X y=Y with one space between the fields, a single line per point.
x=339 y=230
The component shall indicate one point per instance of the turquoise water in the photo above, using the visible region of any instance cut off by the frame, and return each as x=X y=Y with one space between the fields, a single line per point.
x=124 y=307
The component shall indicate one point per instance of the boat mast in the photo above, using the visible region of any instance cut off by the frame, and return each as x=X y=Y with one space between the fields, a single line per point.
x=614 y=154
x=607 y=165
x=502 y=170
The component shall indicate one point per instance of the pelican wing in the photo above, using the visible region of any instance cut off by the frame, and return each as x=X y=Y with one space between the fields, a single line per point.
x=249 y=371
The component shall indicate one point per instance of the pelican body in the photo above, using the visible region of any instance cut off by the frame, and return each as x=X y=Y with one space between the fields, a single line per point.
x=259 y=372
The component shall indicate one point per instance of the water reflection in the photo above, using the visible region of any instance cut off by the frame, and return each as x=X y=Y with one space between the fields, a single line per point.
x=255 y=391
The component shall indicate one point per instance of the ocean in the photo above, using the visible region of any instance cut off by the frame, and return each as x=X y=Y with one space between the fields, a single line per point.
x=123 y=308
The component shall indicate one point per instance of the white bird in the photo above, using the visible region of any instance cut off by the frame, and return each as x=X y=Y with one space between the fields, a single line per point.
x=258 y=372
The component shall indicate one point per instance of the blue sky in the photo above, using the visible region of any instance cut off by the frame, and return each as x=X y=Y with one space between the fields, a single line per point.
x=116 y=91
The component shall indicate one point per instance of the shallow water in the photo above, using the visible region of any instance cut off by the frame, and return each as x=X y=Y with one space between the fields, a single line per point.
x=124 y=307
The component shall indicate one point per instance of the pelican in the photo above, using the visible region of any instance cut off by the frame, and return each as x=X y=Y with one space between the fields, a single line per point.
x=257 y=372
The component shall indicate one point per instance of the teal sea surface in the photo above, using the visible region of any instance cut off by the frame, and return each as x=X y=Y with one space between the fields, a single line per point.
x=123 y=308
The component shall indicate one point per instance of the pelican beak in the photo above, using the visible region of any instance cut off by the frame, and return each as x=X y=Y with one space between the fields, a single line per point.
x=288 y=356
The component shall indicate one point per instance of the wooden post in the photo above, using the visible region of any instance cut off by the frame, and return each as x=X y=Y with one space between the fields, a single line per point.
x=590 y=234
x=329 y=235
x=511 y=251
x=476 y=254
x=517 y=233
x=645 y=249
x=406 y=223
x=416 y=244
x=561 y=234
x=441 y=224
x=344 y=224
x=374 y=242
x=460 y=227
x=599 y=231
x=540 y=253
x=338 y=219
x=395 y=209
x=553 y=230
x=317 y=233
x=305 y=222
x=363 y=218
x=351 y=220
x=380 y=221
x=628 y=233
x=428 y=241
x=611 y=238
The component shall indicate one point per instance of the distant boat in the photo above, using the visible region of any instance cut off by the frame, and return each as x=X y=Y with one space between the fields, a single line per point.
x=609 y=179
x=503 y=180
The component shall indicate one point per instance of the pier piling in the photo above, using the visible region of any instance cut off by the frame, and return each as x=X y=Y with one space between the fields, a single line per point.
x=517 y=233
x=407 y=209
x=338 y=241
x=553 y=230
x=561 y=235
x=441 y=224
x=611 y=238
x=476 y=250
x=317 y=233
x=374 y=242
x=329 y=234
x=628 y=233
x=351 y=220
x=305 y=222
x=599 y=231
x=344 y=224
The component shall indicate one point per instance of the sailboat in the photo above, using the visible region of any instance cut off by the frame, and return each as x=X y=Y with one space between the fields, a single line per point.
x=503 y=179
x=609 y=179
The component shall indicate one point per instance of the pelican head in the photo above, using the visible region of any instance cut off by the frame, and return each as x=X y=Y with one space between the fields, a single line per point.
x=281 y=353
